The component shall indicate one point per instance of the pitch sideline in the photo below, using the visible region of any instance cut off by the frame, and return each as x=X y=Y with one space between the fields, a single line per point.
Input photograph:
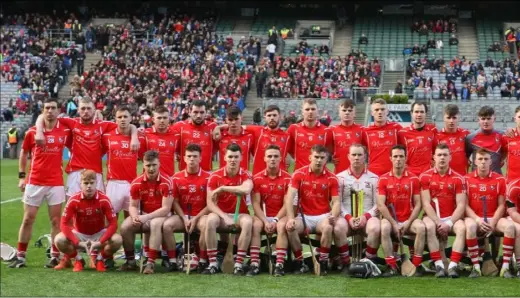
x=11 y=200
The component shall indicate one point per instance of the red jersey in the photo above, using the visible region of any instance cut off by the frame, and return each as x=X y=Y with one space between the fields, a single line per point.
x=456 y=141
x=491 y=187
x=272 y=190
x=121 y=160
x=301 y=140
x=263 y=137
x=513 y=193
x=511 y=147
x=202 y=135
x=89 y=216
x=315 y=191
x=340 y=137
x=419 y=147
x=227 y=201
x=46 y=161
x=150 y=193
x=191 y=189
x=166 y=144
x=399 y=192
x=379 y=141
x=244 y=140
x=444 y=188
x=86 y=151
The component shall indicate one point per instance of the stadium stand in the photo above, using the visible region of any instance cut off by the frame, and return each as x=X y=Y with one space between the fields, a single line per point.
x=489 y=32
x=262 y=25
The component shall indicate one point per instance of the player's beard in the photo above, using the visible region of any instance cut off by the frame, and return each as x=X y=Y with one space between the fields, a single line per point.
x=86 y=119
x=272 y=124
x=198 y=121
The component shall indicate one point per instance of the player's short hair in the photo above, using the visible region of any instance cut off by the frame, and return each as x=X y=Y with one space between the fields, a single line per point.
x=273 y=147
x=421 y=104
x=347 y=103
x=161 y=110
x=486 y=111
x=193 y=148
x=358 y=146
x=271 y=108
x=233 y=148
x=310 y=101
x=398 y=147
x=319 y=149
x=379 y=101
x=442 y=146
x=88 y=175
x=517 y=109
x=233 y=112
x=150 y=155
x=124 y=109
x=85 y=100
x=199 y=103
x=451 y=110
x=482 y=151
x=50 y=100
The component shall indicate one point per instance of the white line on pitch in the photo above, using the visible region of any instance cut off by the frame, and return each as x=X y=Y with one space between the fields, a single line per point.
x=11 y=200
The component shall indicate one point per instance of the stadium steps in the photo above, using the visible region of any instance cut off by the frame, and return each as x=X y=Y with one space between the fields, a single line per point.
x=468 y=44
x=90 y=58
x=253 y=102
x=390 y=79
x=360 y=113
x=343 y=40
x=242 y=26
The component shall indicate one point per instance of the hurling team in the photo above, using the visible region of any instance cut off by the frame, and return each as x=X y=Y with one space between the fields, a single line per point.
x=417 y=182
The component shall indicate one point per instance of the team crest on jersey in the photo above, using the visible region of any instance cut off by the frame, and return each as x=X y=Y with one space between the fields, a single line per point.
x=206 y=134
x=461 y=139
x=406 y=186
x=390 y=133
x=171 y=144
x=202 y=188
x=243 y=143
x=358 y=134
x=280 y=187
x=429 y=139
x=60 y=139
x=320 y=137
x=492 y=187
x=98 y=211
x=282 y=139
x=324 y=186
x=367 y=184
x=310 y=138
x=450 y=187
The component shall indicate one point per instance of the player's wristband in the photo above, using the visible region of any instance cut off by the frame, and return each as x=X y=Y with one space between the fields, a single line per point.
x=449 y=223
x=367 y=216
x=348 y=217
x=276 y=219
x=21 y=175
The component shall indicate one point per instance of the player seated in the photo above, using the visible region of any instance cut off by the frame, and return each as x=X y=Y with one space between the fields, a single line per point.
x=83 y=226
x=316 y=186
x=270 y=187
x=150 y=203
x=399 y=202
x=363 y=182
x=512 y=203
x=225 y=187
x=485 y=211
x=189 y=204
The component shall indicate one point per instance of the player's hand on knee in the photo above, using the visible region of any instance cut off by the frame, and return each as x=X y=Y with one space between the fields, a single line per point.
x=136 y=222
x=396 y=230
x=95 y=245
x=291 y=225
x=332 y=220
x=443 y=229
x=362 y=222
x=270 y=228
x=229 y=222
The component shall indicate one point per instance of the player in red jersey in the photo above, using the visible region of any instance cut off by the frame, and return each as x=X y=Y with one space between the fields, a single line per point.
x=512 y=206
x=270 y=187
x=511 y=146
x=150 y=203
x=401 y=189
x=189 y=189
x=455 y=137
x=341 y=136
x=303 y=136
x=235 y=134
x=419 y=139
x=197 y=130
x=45 y=180
x=444 y=202
x=121 y=161
x=359 y=179
x=316 y=187
x=379 y=138
x=485 y=210
x=162 y=138
x=83 y=225
x=224 y=187
x=86 y=150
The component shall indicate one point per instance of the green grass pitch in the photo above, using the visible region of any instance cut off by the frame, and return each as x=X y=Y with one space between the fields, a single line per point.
x=37 y=281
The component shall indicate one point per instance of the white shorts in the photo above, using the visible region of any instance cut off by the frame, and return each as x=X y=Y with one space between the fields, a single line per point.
x=84 y=237
x=74 y=182
x=312 y=221
x=118 y=191
x=35 y=194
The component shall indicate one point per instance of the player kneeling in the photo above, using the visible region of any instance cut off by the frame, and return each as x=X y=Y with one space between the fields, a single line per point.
x=398 y=191
x=485 y=210
x=150 y=203
x=366 y=222
x=316 y=187
x=270 y=187
x=189 y=204
x=512 y=204
x=88 y=210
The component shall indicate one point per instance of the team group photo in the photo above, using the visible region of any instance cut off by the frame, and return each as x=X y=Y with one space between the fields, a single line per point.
x=155 y=169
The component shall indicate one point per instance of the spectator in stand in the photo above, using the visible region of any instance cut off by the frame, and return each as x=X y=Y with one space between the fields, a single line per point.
x=363 y=39
x=398 y=87
x=324 y=49
x=453 y=40
x=465 y=92
x=271 y=50
x=495 y=47
x=407 y=50
x=416 y=50
x=431 y=43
